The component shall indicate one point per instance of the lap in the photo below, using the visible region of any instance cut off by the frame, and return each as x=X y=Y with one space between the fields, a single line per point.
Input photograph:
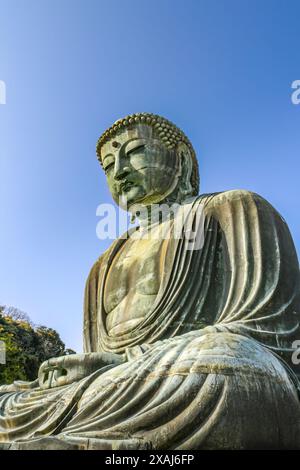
x=213 y=390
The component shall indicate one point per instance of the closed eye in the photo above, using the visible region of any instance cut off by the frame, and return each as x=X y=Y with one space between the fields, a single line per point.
x=135 y=149
x=110 y=165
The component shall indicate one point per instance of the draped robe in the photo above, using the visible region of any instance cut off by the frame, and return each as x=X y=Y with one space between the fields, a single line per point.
x=210 y=366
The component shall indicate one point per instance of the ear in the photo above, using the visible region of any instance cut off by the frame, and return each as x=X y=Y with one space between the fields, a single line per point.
x=186 y=168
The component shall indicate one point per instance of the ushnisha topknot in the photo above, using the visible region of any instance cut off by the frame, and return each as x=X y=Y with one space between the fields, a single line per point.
x=164 y=129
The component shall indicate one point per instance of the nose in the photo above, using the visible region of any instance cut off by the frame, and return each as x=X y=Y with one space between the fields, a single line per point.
x=120 y=171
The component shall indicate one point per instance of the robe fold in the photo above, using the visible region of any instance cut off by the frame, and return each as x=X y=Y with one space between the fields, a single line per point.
x=210 y=366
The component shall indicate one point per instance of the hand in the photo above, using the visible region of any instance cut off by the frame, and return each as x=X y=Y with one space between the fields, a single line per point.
x=64 y=370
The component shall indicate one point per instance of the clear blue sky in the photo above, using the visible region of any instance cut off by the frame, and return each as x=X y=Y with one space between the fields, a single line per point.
x=220 y=69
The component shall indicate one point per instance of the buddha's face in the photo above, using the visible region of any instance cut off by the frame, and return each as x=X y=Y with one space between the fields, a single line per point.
x=138 y=167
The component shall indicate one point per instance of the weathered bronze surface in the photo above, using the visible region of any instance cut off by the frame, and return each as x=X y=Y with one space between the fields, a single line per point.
x=185 y=347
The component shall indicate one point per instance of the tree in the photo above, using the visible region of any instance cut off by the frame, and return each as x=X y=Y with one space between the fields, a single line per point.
x=26 y=346
x=14 y=368
x=50 y=343
x=15 y=314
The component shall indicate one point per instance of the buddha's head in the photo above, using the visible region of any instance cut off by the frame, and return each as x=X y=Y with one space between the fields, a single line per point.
x=148 y=160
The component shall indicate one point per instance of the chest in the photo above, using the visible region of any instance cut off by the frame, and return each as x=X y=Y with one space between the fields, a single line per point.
x=135 y=270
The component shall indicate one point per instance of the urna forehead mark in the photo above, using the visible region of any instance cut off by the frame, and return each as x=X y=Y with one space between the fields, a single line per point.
x=139 y=131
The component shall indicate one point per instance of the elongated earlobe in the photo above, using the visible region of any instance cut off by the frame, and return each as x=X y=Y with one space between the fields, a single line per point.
x=186 y=166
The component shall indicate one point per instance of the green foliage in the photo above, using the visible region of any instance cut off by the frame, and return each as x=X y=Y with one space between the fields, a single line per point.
x=26 y=348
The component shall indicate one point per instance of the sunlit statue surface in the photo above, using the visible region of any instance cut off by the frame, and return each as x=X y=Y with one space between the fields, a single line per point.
x=189 y=340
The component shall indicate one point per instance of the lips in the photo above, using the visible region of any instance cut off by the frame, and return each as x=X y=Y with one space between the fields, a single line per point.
x=126 y=186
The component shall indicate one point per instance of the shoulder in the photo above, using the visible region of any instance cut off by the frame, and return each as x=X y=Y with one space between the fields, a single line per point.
x=237 y=201
x=232 y=197
x=103 y=259
x=94 y=271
